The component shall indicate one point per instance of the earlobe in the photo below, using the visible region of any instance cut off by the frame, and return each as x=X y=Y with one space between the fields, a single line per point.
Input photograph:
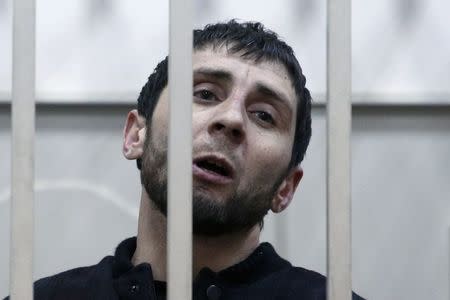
x=286 y=190
x=134 y=135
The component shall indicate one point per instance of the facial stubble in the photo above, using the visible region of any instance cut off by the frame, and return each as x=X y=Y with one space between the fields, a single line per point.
x=240 y=212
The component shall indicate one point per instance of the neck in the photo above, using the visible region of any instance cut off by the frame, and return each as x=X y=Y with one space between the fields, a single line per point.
x=216 y=253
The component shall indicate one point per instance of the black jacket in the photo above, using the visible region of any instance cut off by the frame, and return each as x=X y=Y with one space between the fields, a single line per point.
x=263 y=275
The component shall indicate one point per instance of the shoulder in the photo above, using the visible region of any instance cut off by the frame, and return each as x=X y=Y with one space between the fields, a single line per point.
x=75 y=282
x=277 y=275
x=301 y=281
x=295 y=281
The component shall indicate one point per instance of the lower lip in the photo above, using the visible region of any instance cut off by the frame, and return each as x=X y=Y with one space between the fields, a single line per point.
x=209 y=176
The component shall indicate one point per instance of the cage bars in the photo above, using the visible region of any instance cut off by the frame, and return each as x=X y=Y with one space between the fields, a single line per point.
x=180 y=151
x=338 y=149
x=22 y=154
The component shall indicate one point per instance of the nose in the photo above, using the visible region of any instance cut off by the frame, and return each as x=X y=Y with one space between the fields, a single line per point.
x=229 y=121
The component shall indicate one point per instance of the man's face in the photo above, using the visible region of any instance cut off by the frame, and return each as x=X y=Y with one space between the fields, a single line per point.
x=243 y=128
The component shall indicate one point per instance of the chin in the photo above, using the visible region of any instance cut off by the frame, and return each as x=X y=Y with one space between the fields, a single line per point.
x=209 y=194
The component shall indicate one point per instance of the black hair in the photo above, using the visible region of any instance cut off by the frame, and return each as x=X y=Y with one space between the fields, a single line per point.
x=251 y=40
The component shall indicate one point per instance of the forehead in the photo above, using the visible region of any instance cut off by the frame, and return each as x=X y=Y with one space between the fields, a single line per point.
x=270 y=73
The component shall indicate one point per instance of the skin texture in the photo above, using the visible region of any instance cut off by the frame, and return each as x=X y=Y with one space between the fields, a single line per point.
x=243 y=112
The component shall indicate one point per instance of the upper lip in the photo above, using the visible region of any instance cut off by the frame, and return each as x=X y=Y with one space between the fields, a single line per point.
x=218 y=160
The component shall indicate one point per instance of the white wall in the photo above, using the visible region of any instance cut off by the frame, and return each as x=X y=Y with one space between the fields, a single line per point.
x=87 y=196
x=102 y=51
x=106 y=48
x=401 y=202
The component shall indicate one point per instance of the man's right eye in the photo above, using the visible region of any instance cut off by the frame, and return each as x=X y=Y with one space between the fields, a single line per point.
x=205 y=95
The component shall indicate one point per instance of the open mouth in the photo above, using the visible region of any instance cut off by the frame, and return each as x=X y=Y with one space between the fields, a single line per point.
x=212 y=168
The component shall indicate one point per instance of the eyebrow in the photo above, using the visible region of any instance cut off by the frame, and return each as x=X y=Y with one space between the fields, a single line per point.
x=218 y=74
x=265 y=90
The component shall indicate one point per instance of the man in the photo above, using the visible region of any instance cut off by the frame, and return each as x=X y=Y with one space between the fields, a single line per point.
x=251 y=127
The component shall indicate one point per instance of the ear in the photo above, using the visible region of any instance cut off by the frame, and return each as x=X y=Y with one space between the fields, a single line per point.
x=134 y=135
x=285 y=192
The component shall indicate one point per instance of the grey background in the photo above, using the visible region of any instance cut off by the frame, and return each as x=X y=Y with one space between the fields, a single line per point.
x=94 y=56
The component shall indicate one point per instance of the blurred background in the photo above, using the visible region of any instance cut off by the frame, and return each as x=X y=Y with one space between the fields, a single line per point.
x=93 y=56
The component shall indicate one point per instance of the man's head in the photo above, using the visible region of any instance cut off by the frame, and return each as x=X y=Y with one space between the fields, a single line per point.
x=251 y=127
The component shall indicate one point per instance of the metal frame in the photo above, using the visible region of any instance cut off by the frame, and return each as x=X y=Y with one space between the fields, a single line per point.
x=23 y=116
x=180 y=150
x=339 y=285
x=358 y=99
x=179 y=154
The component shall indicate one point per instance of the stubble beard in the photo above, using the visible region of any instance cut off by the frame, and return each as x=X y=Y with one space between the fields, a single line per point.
x=240 y=212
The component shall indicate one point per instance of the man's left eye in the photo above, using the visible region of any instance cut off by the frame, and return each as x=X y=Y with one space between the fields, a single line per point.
x=265 y=117
x=205 y=95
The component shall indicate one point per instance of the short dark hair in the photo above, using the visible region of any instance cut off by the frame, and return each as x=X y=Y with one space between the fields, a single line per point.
x=254 y=42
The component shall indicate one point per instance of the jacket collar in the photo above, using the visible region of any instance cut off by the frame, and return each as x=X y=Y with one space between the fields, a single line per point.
x=263 y=261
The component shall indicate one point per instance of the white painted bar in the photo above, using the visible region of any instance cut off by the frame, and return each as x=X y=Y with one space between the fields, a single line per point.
x=180 y=151
x=22 y=177
x=358 y=100
x=338 y=149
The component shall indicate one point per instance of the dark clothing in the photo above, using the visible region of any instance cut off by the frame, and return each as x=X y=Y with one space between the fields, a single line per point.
x=263 y=275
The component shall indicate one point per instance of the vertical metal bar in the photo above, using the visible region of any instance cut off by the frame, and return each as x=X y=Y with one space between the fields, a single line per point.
x=23 y=115
x=338 y=149
x=180 y=151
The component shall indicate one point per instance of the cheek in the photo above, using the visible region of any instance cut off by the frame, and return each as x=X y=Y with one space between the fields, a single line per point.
x=160 y=117
x=199 y=122
x=159 y=135
x=268 y=161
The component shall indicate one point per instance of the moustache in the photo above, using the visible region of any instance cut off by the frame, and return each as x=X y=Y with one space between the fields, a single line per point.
x=222 y=147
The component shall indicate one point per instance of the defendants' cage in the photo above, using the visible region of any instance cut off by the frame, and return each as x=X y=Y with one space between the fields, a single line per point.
x=180 y=83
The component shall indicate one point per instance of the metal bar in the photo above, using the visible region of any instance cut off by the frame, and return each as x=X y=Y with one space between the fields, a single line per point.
x=23 y=115
x=180 y=151
x=338 y=149
x=358 y=99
